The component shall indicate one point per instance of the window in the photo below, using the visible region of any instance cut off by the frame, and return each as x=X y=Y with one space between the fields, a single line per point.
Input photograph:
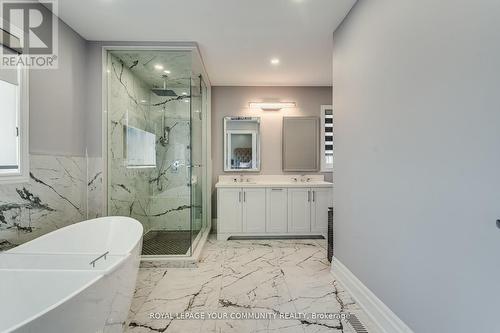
x=14 y=125
x=326 y=138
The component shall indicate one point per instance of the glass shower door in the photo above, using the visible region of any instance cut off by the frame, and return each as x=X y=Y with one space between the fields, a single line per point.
x=197 y=167
x=156 y=147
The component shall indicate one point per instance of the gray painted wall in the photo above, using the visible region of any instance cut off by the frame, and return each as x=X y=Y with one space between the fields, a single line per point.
x=94 y=118
x=233 y=101
x=59 y=175
x=417 y=158
x=57 y=99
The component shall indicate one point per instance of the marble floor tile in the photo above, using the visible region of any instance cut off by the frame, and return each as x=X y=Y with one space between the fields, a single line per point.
x=322 y=242
x=146 y=281
x=234 y=279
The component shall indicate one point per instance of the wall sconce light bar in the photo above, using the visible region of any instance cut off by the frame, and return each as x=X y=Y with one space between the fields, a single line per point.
x=276 y=106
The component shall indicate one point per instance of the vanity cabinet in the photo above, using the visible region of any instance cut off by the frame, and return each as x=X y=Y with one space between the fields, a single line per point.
x=308 y=210
x=299 y=210
x=229 y=210
x=276 y=210
x=242 y=210
x=254 y=213
x=273 y=211
x=321 y=199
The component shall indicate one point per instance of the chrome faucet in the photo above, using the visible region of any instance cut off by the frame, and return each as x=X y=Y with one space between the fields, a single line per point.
x=304 y=178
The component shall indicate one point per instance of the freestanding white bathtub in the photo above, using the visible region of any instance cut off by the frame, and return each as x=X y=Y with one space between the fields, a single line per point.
x=49 y=285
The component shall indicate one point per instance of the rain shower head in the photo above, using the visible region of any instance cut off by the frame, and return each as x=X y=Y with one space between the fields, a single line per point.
x=164 y=92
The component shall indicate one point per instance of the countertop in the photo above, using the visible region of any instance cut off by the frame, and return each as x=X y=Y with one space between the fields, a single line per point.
x=282 y=184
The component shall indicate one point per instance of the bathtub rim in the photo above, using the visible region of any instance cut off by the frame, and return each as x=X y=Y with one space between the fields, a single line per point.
x=20 y=247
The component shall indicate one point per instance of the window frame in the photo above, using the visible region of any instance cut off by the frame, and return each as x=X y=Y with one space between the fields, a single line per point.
x=22 y=175
x=324 y=166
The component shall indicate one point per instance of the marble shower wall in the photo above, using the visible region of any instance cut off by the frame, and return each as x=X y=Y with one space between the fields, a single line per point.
x=55 y=196
x=170 y=203
x=129 y=189
x=158 y=197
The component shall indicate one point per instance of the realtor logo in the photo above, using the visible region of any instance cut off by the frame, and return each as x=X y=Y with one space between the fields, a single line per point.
x=29 y=33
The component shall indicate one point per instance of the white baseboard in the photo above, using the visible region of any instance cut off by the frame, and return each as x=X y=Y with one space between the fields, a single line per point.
x=382 y=317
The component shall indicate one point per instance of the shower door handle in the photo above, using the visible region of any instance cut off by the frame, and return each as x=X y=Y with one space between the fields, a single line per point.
x=195 y=166
x=239 y=196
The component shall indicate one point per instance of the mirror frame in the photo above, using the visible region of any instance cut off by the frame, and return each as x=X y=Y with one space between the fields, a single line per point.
x=284 y=142
x=227 y=166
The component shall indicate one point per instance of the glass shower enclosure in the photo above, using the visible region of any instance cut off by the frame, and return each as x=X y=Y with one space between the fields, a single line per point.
x=156 y=120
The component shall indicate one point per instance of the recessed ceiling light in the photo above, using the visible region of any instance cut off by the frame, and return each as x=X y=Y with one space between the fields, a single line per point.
x=275 y=61
x=159 y=67
x=166 y=71
x=143 y=101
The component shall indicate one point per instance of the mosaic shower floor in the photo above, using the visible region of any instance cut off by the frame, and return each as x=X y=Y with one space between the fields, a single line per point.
x=166 y=242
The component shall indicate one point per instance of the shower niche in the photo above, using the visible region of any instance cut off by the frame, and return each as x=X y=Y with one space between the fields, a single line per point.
x=157 y=141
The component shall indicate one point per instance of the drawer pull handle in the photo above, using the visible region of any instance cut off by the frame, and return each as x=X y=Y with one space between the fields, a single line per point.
x=277 y=189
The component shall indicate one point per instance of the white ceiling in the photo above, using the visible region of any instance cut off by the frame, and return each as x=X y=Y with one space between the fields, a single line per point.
x=237 y=38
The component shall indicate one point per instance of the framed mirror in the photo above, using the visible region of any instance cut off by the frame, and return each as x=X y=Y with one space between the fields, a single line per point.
x=241 y=144
x=300 y=144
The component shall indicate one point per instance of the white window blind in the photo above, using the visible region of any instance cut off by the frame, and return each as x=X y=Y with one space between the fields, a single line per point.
x=327 y=138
